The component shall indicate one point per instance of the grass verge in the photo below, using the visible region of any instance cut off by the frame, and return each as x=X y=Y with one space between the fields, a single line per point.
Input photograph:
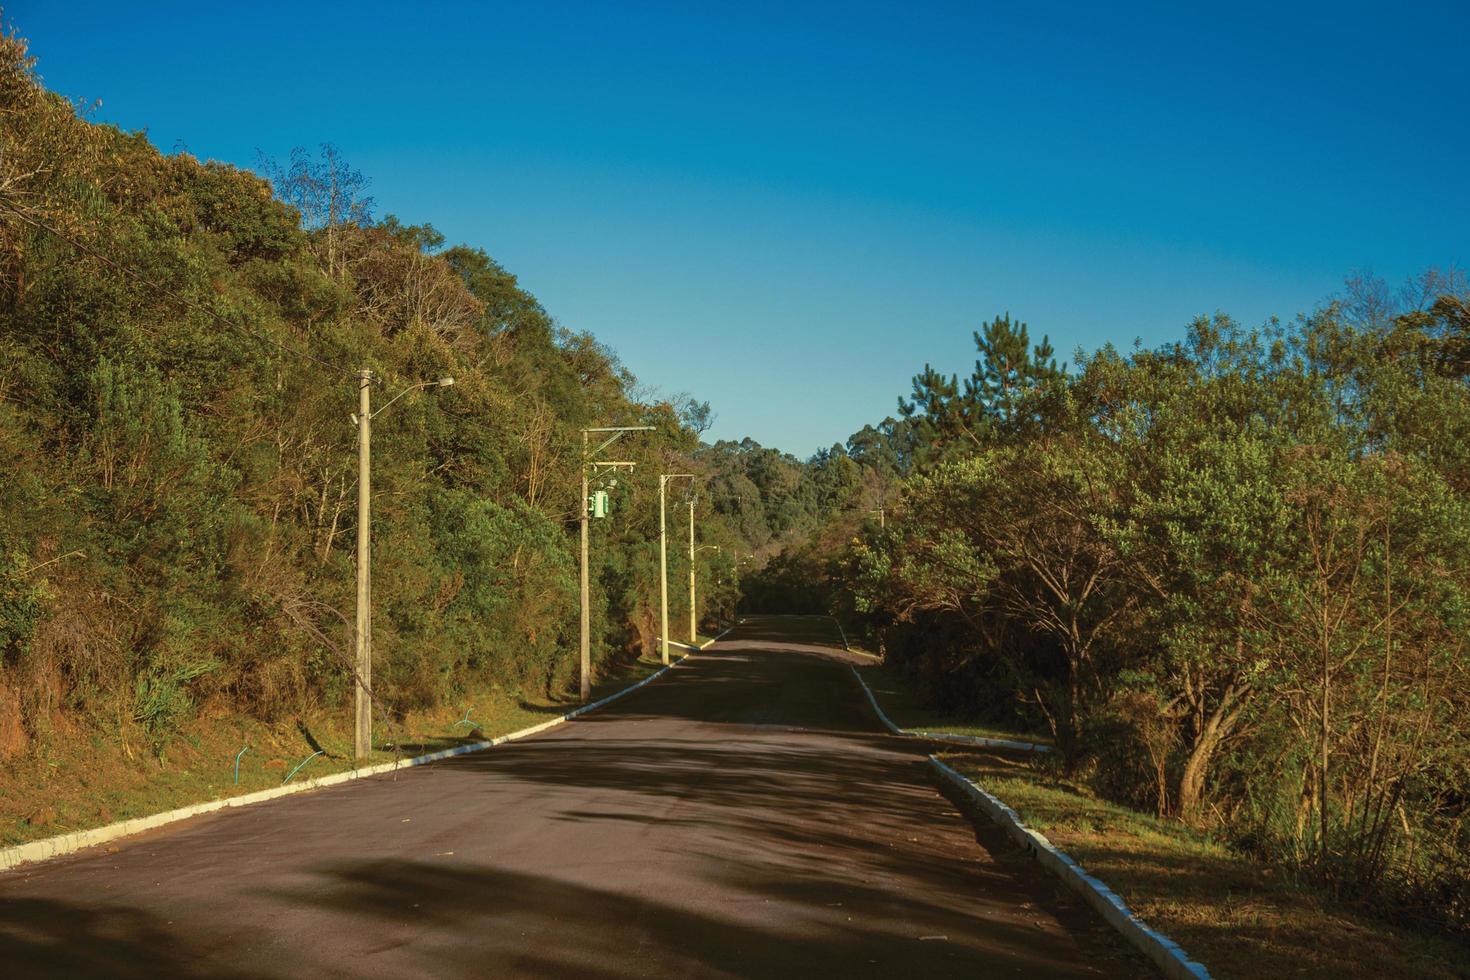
x=907 y=711
x=81 y=781
x=1238 y=917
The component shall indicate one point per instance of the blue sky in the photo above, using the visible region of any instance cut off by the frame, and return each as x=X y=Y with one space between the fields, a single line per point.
x=787 y=209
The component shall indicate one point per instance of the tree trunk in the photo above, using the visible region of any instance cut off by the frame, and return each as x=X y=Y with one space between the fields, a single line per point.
x=1215 y=730
x=1192 y=780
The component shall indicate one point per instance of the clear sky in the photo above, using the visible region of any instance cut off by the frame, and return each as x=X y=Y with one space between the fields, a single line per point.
x=787 y=209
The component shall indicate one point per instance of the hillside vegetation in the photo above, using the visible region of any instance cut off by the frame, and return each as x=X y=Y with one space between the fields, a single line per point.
x=179 y=342
x=1230 y=576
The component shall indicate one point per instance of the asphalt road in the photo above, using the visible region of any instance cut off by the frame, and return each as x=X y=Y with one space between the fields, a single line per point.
x=741 y=816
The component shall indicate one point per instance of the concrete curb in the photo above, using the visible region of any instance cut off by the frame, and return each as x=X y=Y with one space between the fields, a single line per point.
x=1163 y=951
x=842 y=632
x=847 y=647
x=51 y=847
x=972 y=740
x=887 y=722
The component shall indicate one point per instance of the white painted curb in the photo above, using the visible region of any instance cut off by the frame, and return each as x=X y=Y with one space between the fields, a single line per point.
x=847 y=647
x=51 y=847
x=887 y=722
x=976 y=740
x=1163 y=951
x=842 y=632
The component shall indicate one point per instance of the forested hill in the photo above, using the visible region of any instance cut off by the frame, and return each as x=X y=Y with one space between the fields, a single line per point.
x=179 y=342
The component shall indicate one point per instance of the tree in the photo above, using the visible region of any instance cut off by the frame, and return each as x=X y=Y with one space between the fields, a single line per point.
x=1200 y=439
x=328 y=194
x=1008 y=370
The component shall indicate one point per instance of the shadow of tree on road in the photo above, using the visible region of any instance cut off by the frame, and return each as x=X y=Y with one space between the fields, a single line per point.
x=47 y=938
x=596 y=929
x=681 y=832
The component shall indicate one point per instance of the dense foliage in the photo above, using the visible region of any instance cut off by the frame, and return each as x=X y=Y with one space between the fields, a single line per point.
x=178 y=348
x=1230 y=576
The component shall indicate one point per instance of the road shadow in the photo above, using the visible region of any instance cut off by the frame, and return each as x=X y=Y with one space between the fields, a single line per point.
x=597 y=928
x=48 y=938
x=682 y=831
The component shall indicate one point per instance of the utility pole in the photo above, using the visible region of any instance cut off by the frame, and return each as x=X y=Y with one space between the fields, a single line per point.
x=585 y=647
x=693 y=619
x=362 y=729
x=882 y=518
x=663 y=560
x=362 y=740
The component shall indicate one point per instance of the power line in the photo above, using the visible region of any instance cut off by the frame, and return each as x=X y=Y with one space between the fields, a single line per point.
x=164 y=291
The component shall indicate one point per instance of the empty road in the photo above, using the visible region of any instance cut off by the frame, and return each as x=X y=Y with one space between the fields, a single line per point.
x=741 y=816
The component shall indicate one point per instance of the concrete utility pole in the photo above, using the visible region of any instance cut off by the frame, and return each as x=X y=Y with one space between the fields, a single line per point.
x=585 y=646
x=362 y=734
x=362 y=740
x=882 y=518
x=663 y=559
x=693 y=619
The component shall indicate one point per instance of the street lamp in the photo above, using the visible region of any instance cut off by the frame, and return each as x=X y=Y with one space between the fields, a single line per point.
x=663 y=557
x=362 y=738
x=615 y=433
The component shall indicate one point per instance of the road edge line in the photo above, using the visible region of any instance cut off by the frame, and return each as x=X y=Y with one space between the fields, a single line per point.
x=79 y=840
x=1165 y=953
x=971 y=740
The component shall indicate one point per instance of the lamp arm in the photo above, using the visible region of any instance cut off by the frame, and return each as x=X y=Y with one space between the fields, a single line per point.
x=384 y=407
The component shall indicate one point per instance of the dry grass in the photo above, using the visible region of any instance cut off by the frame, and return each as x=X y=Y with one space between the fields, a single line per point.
x=78 y=784
x=1238 y=917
